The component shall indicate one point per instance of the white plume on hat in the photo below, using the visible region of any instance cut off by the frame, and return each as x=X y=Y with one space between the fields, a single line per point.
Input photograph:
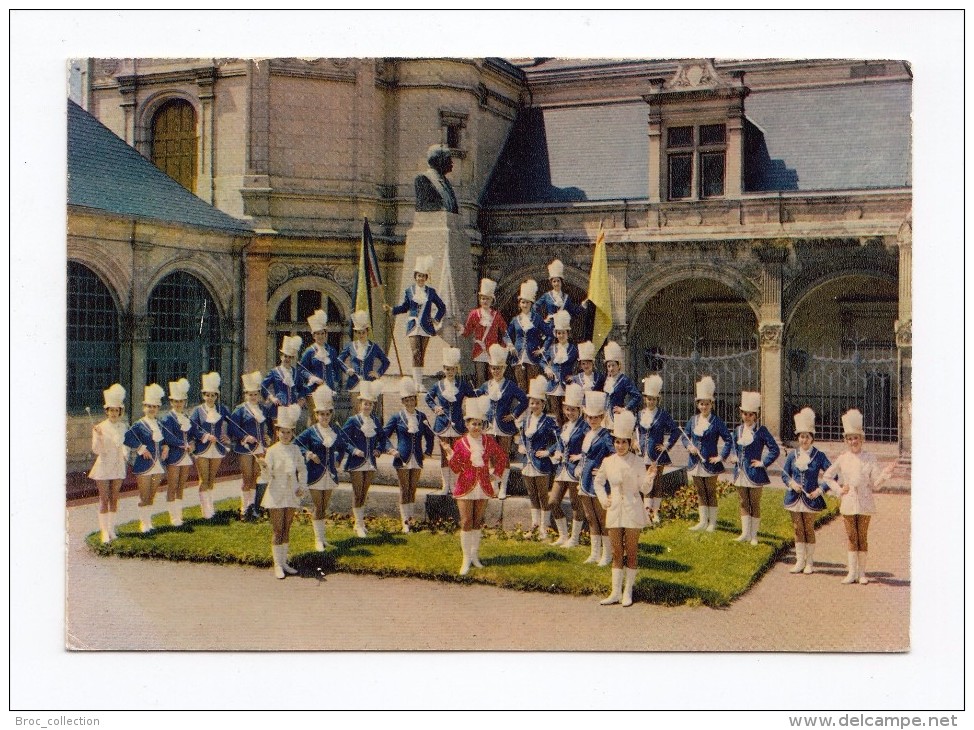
x=211 y=382
x=750 y=401
x=114 y=396
x=178 y=389
x=852 y=423
x=487 y=287
x=369 y=390
x=360 y=320
x=594 y=403
x=153 y=395
x=805 y=421
x=562 y=319
x=423 y=265
x=574 y=395
x=586 y=351
x=451 y=357
x=476 y=407
x=251 y=381
x=613 y=352
x=497 y=355
x=652 y=386
x=623 y=425
x=287 y=416
x=538 y=387
x=529 y=290
x=706 y=387
x=556 y=270
x=318 y=321
x=324 y=398
x=407 y=388
x=291 y=345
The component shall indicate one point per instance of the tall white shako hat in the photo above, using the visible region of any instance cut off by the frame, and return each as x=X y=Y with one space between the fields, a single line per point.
x=451 y=357
x=652 y=386
x=408 y=388
x=476 y=407
x=750 y=401
x=623 y=425
x=805 y=421
x=251 y=382
x=153 y=395
x=706 y=387
x=324 y=398
x=529 y=290
x=852 y=423
x=613 y=352
x=360 y=320
x=562 y=320
x=369 y=390
x=497 y=355
x=574 y=395
x=114 y=396
x=556 y=270
x=586 y=351
x=423 y=265
x=595 y=403
x=487 y=288
x=538 y=387
x=287 y=416
x=211 y=383
x=291 y=345
x=178 y=389
x=318 y=321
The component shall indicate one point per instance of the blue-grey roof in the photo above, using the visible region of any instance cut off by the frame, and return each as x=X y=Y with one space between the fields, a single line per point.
x=836 y=138
x=107 y=174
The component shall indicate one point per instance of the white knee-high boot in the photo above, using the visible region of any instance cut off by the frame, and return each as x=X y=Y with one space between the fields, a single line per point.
x=278 y=561
x=711 y=518
x=863 y=580
x=606 y=551
x=616 y=595
x=284 y=564
x=562 y=524
x=176 y=512
x=465 y=547
x=246 y=499
x=206 y=504
x=319 y=529
x=755 y=524
x=576 y=534
x=444 y=479
x=112 y=524
x=593 y=556
x=745 y=529
x=359 y=513
x=627 y=590
x=703 y=520
x=853 y=574
x=543 y=524
x=809 y=558
x=404 y=516
x=106 y=535
x=475 y=538
x=504 y=477
x=657 y=502
x=145 y=518
x=800 y=557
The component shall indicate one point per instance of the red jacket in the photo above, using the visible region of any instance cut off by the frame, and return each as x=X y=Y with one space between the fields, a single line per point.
x=470 y=475
x=484 y=337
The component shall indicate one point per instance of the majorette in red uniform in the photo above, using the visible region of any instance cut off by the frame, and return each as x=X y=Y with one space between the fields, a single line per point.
x=487 y=327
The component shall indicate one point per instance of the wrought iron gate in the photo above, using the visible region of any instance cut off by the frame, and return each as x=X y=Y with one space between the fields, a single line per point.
x=830 y=382
x=734 y=366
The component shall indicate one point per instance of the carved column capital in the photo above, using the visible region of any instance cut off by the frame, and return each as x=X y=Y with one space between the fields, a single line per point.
x=771 y=335
x=904 y=333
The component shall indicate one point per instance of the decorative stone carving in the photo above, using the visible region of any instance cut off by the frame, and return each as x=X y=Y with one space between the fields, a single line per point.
x=696 y=74
x=771 y=336
x=279 y=273
x=904 y=333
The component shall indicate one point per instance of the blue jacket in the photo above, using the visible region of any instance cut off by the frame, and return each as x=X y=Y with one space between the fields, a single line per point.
x=421 y=316
x=330 y=457
x=371 y=447
x=599 y=377
x=624 y=393
x=572 y=447
x=452 y=411
x=175 y=438
x=512 y=402
x=661 y=427
x=801 y=483
x=707 y=444
x=602 y=445
x=330 y=374
x=220 y=429
x=359 y=369
x=563 y=371
x=242 y=422
x=525 y=343
x=409 y=444
x=274 y=385
x=755 y=450
x=139 y=434
x=545 y=307
x=545 y=438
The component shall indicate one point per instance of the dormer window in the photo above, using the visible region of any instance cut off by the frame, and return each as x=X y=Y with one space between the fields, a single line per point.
x=696 y=157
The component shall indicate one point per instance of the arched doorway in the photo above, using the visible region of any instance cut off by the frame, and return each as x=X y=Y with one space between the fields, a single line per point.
x=174 y=145
x=840 y=353
x=184 y=333
x=693 y=328
x=93 y=338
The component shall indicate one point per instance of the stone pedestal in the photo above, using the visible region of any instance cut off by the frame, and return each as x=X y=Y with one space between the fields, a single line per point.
x=440 y=235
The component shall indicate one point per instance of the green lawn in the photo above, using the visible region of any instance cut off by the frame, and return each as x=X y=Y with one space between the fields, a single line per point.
x=676 y=566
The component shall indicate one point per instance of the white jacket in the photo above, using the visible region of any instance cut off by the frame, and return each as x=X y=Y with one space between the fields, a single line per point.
x=111 y=452
x=861 y=473
x=287 y=473
x=623 y=500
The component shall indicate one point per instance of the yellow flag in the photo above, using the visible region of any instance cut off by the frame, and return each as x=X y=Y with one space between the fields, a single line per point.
x=600 y=293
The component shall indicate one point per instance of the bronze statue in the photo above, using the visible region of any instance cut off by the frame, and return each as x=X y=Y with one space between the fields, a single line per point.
x=433 y=190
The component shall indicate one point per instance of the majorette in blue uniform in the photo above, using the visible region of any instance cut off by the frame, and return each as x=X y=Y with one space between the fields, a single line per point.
x=596 y=445
x=657 y=432
x=361 y=357
x=703 y=432
x=319 y=362
x=752 y=442
x=505 y=400
x=561 y=356
x=538 y=432
x=146 y=439
x=526 y=336
x=556 y=299
x=283 y=385
x=568 y=457
x=366 y=442
x=620 y=391
x=426 y=311
x=414 y=440
x=447 y=396
x=589 y=381
x=180 y=434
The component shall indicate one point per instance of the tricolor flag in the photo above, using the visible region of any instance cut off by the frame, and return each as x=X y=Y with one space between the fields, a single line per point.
x=599 y=293
x=368 y=275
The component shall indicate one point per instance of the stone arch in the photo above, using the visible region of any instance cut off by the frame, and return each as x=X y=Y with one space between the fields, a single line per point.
x=319 y=283
x=658 y=279
x=113 y=276
x=808 y=289
x=215 y=279
x=151 y=104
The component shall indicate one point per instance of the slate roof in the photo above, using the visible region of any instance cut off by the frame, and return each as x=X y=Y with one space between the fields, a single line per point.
x=820 y=139
x=107 y=174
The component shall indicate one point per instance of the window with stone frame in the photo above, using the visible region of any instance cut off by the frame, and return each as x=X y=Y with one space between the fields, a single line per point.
x=696 y=161
x=93 y=338
x=173 y=142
